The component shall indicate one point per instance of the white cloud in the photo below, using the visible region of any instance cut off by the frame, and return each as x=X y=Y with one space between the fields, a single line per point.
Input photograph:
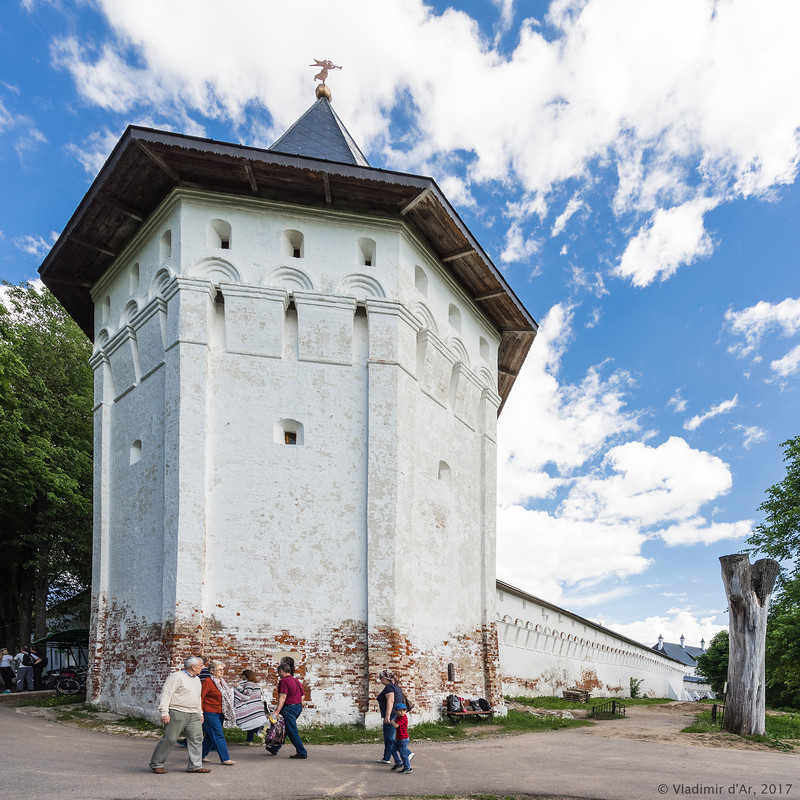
x=545 y=553
x=721 y=408
x=699 y=531
x=94 y=152
x=572 y=424
x=692 y=102
x=574 y=205
x=578 y=497
x=751 y=435
x=649 y=485
x=755 y=322
x=788 y=365
x=6 y=120
x=677 y=402
x=28 y=141
x=674 y=236
x=675 y=623
x=36 y=245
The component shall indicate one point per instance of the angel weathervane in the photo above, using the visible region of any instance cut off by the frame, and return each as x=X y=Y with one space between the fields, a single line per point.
x=322 y=89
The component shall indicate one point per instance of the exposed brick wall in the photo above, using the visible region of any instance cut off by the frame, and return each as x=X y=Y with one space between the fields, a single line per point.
x=338 y=667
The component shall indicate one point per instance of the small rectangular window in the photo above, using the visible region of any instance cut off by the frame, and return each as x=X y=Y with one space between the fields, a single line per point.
x=296 y=252
x=290 y=437
x=225 y=244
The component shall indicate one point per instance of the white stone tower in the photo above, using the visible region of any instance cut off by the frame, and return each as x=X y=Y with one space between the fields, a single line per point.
x=299 y=362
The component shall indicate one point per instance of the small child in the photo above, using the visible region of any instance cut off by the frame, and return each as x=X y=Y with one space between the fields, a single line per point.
x=400 y=746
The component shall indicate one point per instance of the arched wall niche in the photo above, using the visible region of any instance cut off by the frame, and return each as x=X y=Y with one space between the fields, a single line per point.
x=159 y=283
x=360 y=286
x=216 y=270
x=424 y=315
x=290 y=278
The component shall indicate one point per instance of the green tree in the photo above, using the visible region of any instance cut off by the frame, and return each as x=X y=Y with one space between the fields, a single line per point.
x=783 y=647
x=45 y=458
x=713 y=664
x=779 y=537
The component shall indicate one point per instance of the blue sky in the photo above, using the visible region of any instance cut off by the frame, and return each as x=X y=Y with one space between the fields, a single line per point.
x=631 y=166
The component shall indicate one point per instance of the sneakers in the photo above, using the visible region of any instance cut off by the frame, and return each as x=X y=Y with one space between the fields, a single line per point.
x=299 y=755
x=396 y=766
x=384 y=761
x=410 y=756
x=405 y=771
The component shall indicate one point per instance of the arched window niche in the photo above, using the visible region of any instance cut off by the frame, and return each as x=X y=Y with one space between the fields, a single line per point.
x=165 y=246
x=454 y=316
x=293 y=245
x=218 y=234
x=288 y=431
x=136 y=452
x=365 y=252
x=444 y=473
x=133 y=278
x=421 y=281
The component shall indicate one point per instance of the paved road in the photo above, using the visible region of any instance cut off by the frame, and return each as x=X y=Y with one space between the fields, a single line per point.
x=41 y=759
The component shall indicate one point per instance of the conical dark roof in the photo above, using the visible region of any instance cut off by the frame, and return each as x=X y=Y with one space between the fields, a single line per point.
x=319 y=133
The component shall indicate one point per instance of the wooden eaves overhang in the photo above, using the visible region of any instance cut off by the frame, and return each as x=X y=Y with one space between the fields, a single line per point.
x=146 y=165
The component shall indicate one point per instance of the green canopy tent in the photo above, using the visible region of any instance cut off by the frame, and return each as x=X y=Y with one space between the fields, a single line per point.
x=66 y=648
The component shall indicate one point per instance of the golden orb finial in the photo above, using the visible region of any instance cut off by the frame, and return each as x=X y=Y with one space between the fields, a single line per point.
x=323 y=90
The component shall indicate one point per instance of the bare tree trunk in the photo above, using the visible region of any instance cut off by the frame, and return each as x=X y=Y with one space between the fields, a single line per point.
x=748 y=588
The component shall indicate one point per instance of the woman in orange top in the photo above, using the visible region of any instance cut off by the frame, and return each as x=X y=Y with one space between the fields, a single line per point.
x=217 y=699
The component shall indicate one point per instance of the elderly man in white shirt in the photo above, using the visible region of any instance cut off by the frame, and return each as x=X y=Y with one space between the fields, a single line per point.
x=181 y=710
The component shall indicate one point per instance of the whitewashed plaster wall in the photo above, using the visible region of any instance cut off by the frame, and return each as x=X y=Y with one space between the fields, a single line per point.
x=369 y=543
x=545 y=649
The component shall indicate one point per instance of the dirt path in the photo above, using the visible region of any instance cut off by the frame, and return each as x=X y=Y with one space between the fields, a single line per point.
x=664 y=723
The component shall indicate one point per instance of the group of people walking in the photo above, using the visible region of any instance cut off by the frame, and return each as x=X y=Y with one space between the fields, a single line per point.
x=25 y=669
x=196 y=701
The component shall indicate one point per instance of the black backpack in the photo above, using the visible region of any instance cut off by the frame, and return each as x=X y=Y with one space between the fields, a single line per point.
x=27 y=661
x=454 y=703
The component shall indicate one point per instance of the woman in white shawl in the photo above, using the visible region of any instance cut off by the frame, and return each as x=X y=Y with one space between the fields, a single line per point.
x=217 y=702
x=249 y=706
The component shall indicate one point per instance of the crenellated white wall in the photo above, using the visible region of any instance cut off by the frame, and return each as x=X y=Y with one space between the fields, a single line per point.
x=545 y=649
x=350 y=549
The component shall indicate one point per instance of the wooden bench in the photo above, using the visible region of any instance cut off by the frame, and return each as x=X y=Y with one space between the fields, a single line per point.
x=576 y=695
x=456 y=716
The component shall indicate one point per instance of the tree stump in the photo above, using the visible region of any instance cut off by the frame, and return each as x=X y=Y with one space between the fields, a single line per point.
x=748 y=588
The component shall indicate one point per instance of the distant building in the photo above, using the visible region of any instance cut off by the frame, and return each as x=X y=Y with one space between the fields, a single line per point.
x=695 y=687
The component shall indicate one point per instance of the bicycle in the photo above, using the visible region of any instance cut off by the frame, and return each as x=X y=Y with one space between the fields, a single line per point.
x=72 y=684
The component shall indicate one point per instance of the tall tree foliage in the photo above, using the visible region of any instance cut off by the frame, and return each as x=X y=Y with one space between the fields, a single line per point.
x=45 y=459
x=713 y=664
x=779 y=537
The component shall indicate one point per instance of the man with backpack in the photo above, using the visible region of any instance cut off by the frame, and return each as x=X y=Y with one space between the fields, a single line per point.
x=25 y=662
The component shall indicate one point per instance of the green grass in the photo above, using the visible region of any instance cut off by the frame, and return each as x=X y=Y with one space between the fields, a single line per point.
x=55 y=702
x=139 y=724
x=560 y=703
x=439 y=731
x=778 y=729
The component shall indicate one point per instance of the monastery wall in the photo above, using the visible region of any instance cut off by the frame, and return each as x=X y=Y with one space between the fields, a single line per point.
x=295 y=427
x=544 y=650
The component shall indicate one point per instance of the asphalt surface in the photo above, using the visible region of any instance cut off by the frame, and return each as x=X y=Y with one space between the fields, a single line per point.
x=41 y=759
